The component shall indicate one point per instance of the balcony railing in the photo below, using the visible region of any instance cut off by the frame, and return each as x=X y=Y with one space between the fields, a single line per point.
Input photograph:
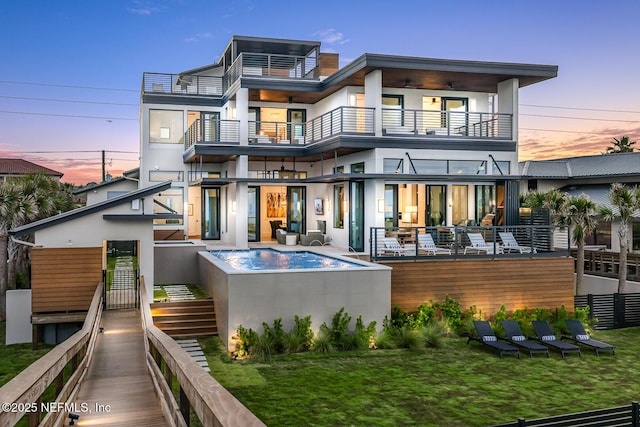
x=446 y=123
x=177 y=84
x=342 y=120
x=454 y=242
x=212 y=131
x=263 y=132
x=271 y=65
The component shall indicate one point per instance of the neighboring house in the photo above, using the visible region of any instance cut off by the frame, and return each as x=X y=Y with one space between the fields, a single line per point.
x=592 y=176
x=274 y=131
x=15 y=168
x=115 y=187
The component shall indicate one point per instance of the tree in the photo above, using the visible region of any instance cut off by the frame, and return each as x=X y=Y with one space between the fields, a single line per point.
x=622 y=145
x=626 y=201
x=22 y=201
x=578 y=213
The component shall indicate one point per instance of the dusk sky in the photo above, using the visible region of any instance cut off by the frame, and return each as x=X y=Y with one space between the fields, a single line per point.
x=71 y=71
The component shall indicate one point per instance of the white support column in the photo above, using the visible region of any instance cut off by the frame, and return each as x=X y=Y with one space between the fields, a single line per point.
x=508 y=102
x=242 y=114
x=373 y=97
x=241 y=195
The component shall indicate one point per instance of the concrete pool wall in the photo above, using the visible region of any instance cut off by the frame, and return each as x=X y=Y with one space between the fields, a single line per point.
x=249 y=298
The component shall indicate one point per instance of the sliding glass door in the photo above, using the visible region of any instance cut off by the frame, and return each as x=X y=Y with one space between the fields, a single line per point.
x=253 y=214
x=296 y=212
x=211 y=213
x=356 y=216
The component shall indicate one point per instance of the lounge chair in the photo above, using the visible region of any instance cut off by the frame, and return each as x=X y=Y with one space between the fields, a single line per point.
x=487 y=337
x=479 y=245
x=391 y=245
x=547 y=337
x=426 y=243
x=580 y=336
x=515 y=336
x=509 y=243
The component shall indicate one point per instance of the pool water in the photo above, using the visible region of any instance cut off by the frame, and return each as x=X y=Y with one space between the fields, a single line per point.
x=270 y=259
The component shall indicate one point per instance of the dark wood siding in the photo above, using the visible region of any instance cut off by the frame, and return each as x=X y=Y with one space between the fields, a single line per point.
x=485 y=283
x=64 y=279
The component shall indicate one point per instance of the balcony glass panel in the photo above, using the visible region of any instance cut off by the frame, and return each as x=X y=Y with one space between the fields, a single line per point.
x=468 y=167
x=432 y=167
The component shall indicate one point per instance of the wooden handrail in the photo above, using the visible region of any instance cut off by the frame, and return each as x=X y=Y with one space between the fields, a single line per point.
x=213 y=404
x=27 y=387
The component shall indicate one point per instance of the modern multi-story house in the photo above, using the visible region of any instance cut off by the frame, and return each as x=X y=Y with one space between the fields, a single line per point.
x=276 y=135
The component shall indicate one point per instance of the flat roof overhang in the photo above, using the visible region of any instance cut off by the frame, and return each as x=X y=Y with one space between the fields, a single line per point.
x=339 y=145
x=344 y=177
x=400 y=72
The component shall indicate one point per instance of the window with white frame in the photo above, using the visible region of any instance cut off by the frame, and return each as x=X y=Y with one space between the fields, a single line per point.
x=166 y=126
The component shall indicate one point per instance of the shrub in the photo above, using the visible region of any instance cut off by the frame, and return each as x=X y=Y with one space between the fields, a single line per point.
x=450 y=309
x=339 y=327
x=245 y=339
x=322 y=344
x=432 y=335
x=303 y=331
x=275 y=336
x=263 y=348
x=386 y=340
x=407 y=337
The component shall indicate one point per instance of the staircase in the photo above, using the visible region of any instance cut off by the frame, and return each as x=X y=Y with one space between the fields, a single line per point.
x=185 y=318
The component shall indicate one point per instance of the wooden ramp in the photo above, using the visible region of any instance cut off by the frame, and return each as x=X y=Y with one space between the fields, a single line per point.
x=118 y=377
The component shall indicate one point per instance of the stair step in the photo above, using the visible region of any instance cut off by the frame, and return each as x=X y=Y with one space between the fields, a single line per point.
x=183 y=316
x=179 y=324
x=191 y=333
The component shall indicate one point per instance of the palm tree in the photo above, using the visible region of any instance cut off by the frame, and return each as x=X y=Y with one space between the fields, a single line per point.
x=626 y=200
x=578 y=213
x=622 y=145
x=14 y=207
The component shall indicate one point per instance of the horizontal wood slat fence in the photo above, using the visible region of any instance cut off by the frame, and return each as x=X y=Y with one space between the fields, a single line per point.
x=485 y=283
x=64 y=279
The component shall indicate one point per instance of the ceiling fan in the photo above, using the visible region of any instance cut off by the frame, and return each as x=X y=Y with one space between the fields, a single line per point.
x=408 y=85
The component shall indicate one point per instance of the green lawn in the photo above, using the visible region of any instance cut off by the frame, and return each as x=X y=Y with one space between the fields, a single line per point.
x=14 y=358
x=459 y=385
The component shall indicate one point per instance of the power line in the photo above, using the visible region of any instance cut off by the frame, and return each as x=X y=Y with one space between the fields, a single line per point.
x=80 y=151
x=578 y=108
x=581 y=118
x=66 y=115
x=566 y=131
x=69 y=100
x=70 y=86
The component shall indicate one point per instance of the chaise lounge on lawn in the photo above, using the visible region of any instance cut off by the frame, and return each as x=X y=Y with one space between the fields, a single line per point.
x=580 y=336
x=487 y=337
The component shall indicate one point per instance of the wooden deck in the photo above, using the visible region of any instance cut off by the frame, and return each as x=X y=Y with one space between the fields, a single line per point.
x=118 y=377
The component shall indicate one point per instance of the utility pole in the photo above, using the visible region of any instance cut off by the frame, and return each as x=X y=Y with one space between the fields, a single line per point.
x=103 y=168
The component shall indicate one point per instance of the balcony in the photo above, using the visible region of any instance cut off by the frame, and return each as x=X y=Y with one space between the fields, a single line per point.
x=341 y=121
x=176 y=84
x=272 y=65
x=212 y=131
x=427 y=123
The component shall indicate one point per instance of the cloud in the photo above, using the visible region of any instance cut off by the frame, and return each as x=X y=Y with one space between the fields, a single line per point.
x=198 y=37
x=143 y=8
x=331 y=36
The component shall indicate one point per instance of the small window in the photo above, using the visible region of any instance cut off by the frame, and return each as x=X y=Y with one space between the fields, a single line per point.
x=161 y=176
x=393 y=166
x=467 y=167
x=429 y=167
x=357 y=167
x=339 y=169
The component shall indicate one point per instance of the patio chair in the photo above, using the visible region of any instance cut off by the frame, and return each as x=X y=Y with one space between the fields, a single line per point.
x=546 y=336
x=391 y=245
x=580 y=336
x=426 y=243
x=515 y=336
x=479 y=245
x=509 y=243
x=487 y=337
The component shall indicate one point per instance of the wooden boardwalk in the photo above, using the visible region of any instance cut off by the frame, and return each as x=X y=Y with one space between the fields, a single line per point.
x=118 y=377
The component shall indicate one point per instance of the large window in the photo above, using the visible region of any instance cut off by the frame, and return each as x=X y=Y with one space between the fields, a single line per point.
x=338 y=206
x=429 y=167
x=166 y=126
x=170 y=201
x=486 y=204
x=468 y=167
x=393 y=166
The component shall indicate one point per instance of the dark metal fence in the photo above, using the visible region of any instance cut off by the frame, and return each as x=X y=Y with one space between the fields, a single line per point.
x=413 y=243
x=628 y=415
x=612 y=311
x=121 y=289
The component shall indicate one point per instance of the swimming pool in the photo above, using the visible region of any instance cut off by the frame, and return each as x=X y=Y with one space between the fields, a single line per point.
x=271 y=259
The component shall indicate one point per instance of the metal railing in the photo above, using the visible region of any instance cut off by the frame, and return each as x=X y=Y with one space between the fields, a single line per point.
x=212 y=131
x=342 y=120
x=168 y=362
x=405 y=243
x=271 y=65
x=606 y=263
x=24 y=392
x=178 y=84
x=261 y=132
x=446 y=123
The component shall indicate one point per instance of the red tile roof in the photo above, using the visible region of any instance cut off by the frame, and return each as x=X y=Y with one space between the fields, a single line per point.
x=23 y=167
